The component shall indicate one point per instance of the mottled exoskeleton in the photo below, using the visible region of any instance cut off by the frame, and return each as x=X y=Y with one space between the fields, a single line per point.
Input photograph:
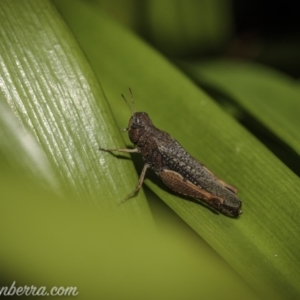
x=177 y=169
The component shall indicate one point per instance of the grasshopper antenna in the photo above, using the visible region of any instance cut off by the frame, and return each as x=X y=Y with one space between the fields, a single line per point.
x=132 y=99
x=131 y=107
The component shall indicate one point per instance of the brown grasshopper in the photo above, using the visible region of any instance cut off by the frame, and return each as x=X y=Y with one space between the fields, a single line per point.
x=177 y=169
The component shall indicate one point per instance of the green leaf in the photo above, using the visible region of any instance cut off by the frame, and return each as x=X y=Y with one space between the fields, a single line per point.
x=54 y=102
x=270 y=97
x=52 y=90
x=252 y=245
x=61 y=224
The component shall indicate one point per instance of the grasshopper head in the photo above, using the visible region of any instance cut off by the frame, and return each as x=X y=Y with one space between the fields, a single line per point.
x=139 y=123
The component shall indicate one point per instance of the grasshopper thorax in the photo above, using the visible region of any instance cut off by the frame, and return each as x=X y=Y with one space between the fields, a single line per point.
x=139 y=123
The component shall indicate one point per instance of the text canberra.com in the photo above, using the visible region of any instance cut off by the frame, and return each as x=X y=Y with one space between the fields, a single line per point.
x=37 y=291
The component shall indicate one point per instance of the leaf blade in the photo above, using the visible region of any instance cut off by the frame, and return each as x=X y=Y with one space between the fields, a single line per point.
x=226 y=152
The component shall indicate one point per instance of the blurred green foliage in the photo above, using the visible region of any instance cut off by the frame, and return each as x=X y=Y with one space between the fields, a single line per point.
x=63 y=67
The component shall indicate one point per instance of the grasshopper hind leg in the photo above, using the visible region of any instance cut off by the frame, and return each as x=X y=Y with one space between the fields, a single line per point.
x=178 y=184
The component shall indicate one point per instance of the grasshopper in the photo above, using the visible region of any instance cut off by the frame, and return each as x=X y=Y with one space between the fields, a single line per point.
x=177 y=169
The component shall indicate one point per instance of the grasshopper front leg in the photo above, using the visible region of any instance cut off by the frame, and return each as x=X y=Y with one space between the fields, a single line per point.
x=142 y=176
x=134 y=150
